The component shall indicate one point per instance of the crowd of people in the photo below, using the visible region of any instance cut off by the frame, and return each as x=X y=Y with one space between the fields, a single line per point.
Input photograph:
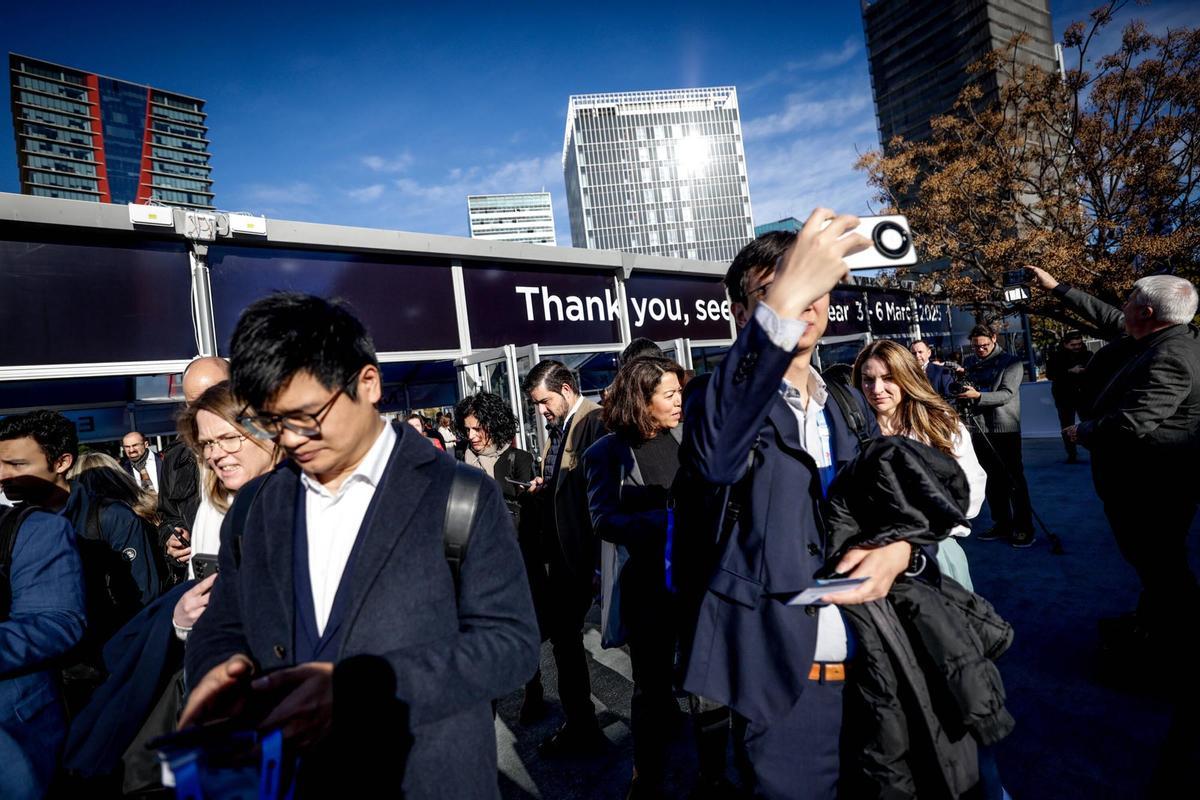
x=776 y=547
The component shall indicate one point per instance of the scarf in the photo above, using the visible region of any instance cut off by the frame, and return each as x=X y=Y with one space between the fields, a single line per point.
x=139 y=467
x=486 y=459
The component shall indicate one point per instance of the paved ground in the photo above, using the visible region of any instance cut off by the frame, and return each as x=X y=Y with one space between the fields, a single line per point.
x=1077 y=735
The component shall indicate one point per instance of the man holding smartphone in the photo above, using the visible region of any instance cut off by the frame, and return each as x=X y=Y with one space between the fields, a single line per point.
x=335 y=598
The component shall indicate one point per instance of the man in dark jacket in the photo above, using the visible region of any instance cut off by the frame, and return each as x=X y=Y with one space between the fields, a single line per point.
x=570 y=548
x=765 y=424
x=940 y=377
x=1065 y=368
x=179 y=484
x=1142 y=426
x=118 y=566
x=335 y=606
x=995 y=423
x=41 y=618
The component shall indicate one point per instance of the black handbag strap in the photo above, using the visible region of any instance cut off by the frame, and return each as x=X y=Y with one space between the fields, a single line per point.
x=461 y=505
x=11 y=520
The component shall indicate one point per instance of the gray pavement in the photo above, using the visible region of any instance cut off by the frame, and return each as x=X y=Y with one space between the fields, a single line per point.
x=1077 y=735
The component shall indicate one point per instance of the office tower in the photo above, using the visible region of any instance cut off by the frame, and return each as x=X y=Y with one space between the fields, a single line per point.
x=787 y=225
x=661 y=172
x=919 y=51
x=83 y=136
x=527 y=218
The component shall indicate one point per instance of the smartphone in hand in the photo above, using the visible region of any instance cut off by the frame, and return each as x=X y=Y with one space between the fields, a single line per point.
x=204 y=565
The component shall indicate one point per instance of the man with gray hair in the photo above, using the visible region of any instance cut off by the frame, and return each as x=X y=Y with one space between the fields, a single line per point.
x=1141 y=421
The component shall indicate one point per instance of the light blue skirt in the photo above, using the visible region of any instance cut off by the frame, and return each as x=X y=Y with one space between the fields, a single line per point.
x=952 y=560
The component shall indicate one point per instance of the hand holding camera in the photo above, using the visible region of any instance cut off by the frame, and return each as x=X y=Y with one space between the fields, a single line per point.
x=1041 y=278
x=815 y=263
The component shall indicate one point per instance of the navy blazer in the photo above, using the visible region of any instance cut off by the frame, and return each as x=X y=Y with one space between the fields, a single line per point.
x=752 y=651
x=448 y=660
x=45 y=621
x=940 y=378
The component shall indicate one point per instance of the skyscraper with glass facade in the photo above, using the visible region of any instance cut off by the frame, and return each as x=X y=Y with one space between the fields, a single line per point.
x=83 y=136
x=527 y=218
x=919 y=51
x=661 y=172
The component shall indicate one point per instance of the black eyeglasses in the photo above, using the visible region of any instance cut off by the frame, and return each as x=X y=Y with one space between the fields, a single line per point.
x=269 y=427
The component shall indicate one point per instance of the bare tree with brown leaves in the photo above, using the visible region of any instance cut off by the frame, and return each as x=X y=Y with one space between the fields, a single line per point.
x=1091 y=175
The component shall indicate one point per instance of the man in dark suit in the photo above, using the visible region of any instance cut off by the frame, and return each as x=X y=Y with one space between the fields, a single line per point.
x=765 y=424
x=1064 y=368
x=41 y=618
x=1142 y=425
x=335 y=604
x=570 y=547
x=940 y=377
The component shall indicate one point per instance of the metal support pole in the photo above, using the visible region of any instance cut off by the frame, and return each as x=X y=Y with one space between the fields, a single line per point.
x=202 y=307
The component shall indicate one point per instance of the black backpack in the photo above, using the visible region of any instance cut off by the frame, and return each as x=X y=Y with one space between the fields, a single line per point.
x=11 y=520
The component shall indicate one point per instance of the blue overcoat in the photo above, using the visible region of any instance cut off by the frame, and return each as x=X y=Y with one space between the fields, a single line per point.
x=752 y=651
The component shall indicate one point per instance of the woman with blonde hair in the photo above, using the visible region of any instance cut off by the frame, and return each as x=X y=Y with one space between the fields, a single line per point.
x=103 y=476
x=905 y=404
x=230 y=457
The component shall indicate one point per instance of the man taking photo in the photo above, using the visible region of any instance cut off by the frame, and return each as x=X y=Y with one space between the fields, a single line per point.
x=995 y=423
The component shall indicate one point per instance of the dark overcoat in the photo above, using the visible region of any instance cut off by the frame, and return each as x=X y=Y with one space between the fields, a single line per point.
x=444 y=661
x=752 y=651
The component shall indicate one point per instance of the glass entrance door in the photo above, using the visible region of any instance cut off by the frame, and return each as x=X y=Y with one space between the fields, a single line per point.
x=678 y=350
x=531 y=432
x=499 y=371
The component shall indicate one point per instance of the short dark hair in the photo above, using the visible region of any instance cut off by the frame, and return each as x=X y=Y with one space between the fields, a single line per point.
x=760 y=255
x=626 y=409
x=916 y=342
x=54 y=433
x=551 y=374
x=982 y=330
x=640 y=348
x=286 y=333
x=494 y=416
x=1071 y=336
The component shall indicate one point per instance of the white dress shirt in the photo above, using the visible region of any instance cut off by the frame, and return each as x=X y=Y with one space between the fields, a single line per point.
x=815 y=439
x=334 y=519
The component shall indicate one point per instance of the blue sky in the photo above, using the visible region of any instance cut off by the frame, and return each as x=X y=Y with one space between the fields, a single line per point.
x=388 y=115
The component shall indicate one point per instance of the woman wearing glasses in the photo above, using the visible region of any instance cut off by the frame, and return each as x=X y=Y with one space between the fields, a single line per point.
x=230 y=457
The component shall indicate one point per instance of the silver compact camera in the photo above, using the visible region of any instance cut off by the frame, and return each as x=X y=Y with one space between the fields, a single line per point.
x=891 y=243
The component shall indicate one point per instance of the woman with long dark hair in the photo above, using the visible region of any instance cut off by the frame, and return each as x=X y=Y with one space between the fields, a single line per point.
x=630 y=475
x=488 y=426
x=905 y=404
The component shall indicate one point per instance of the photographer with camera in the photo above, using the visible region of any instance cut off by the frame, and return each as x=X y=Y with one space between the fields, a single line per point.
x=989 y=400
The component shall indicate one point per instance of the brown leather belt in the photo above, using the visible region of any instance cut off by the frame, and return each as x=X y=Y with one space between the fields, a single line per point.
x=827 y=672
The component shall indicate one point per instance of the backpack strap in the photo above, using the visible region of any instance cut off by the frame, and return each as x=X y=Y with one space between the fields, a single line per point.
x=11 y=520
x=461 y=505
x=851 y=411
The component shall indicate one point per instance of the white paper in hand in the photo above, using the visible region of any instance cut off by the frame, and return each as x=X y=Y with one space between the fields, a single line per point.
x=813 y=594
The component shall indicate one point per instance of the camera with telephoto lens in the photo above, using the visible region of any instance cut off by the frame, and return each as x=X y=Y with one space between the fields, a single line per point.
x=960 y=385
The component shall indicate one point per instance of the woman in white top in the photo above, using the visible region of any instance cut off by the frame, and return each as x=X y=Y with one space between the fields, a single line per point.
x=905 y=404
x=229 y=458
